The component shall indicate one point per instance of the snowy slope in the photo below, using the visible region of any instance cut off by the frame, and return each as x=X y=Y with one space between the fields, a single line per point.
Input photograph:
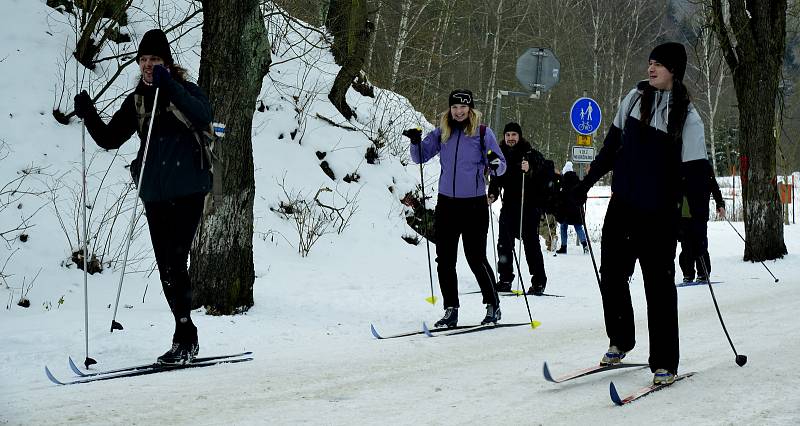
x=316 y=362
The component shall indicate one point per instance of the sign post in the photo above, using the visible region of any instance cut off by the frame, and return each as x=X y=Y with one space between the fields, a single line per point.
x=538 y=70
x=585 y=117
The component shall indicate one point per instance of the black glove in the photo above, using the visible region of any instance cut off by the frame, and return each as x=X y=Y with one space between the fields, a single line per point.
x=161 y=76
x=494 y=160
x=414 y=135
x=578 y=194
x=83 y=104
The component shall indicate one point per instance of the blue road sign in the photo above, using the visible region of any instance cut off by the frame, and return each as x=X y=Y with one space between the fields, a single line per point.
x=585 y=116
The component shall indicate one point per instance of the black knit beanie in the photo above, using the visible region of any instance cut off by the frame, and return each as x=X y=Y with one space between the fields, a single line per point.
x=513 y=127
x=154 y=42
x=462 y=96
x=672 y=56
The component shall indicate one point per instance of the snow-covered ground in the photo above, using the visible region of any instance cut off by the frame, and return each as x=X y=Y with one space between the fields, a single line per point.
x=315 y=360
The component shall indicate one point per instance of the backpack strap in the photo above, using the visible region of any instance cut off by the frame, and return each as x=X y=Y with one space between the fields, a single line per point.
x=482 y=131
x=207 y=151
x=141 y=114
x=484 y=158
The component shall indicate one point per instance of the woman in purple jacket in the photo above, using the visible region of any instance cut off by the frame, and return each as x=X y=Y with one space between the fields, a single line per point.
x=466 y=151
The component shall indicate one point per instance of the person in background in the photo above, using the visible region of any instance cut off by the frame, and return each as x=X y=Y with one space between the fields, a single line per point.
x=175 y=173
x=568 y=212
x=548 y=229
x=525 y=161
x=694 y=218
x=466 y=148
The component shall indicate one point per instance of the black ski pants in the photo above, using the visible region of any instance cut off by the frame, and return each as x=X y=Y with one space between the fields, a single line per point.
x=466 y=218
x=652 y=239
x=694 y=248
x=509 y=232
x=173 y=224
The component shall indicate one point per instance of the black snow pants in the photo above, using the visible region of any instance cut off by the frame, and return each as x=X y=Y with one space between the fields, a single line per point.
x=694 y=248
x=652 y=239
x=466 y=218
x=509 y=232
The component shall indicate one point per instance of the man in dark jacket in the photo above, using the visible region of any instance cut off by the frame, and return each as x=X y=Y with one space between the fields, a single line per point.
x=694 y=218
x=522 y=159
x=172 y=172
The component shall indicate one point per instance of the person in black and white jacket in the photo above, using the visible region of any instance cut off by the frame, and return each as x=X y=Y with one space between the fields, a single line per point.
x=655 y=130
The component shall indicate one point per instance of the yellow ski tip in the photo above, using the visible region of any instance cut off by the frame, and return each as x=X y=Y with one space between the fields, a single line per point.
x=535 y=324
x=518 y=292
x=431 y=300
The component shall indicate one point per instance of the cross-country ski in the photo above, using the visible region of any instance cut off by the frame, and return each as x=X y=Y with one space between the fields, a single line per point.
x=644 y=391
x=585 y=371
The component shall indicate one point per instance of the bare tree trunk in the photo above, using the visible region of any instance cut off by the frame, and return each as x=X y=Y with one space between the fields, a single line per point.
x=495 y=57
x=348 y=21
x=236 y=57
x=759 y=29
x=440 y=49
x=434 y=41
x=402 y=36
x=371 y=51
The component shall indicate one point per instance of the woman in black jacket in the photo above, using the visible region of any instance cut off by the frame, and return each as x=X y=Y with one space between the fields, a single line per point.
x=175 y=176
x=569 y=212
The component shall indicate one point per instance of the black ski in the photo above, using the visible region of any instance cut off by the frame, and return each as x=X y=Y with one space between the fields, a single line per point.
x=516 y=293
x=466 y=329
x=519 y=294
x=158 y=368
x=647 y=390
x=414 y=333
x=585 y=372
x=693 y=283
x=80 y=373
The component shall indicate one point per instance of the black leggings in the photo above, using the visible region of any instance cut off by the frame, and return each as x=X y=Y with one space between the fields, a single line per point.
x=467 y=218
x=173 y=224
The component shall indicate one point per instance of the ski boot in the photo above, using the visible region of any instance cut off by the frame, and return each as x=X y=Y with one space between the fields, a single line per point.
x=536 y=289
x=504 y=286
x=663 y=377
x=449 y=320
x=613 y=356
x=562 y=250
x=179 y=354
x=492 y=315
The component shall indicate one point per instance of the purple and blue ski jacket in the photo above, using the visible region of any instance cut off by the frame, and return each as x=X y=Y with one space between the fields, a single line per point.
x=461 y=159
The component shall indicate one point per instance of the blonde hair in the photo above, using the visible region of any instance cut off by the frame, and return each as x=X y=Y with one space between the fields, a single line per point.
x=471 y=129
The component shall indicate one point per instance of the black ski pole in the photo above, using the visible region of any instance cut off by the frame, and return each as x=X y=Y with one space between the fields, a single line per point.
x=745 y=241
x=114 y=324
x=534 y=324
x=589 y=243
x=741 y=360
x=432 y=299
